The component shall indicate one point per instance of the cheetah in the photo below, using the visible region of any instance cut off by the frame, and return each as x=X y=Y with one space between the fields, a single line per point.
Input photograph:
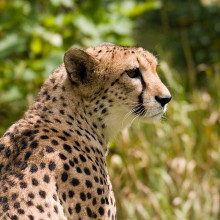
x=53 y=160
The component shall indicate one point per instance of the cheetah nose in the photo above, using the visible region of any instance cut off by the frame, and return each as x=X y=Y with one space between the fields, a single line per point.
x=163 y=100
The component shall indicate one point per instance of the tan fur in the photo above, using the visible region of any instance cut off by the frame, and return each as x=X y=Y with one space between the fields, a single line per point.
x=52 y=162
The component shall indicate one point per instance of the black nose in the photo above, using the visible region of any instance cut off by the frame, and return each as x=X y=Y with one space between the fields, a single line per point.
x=163 y=100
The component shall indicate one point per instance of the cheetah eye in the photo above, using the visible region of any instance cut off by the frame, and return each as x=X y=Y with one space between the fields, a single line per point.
x=133 y=73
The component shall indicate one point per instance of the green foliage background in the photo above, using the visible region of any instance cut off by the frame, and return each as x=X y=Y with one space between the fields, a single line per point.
x=169 y=170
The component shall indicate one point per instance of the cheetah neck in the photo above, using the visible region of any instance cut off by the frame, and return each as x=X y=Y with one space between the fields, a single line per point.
x=57 y=103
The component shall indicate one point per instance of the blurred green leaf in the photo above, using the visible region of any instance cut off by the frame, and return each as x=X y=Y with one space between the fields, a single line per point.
x=132 y=9
x=12 y=94
x=11 y=44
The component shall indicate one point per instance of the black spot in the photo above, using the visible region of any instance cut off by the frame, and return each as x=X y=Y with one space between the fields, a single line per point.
x=30 y=203
x=87 y=149
x=71 y=117
x=71 y=163
x=75 y=182
x=5 y=207
x=83 y=159
x=64 y=196
x=76 y=148
x=31 y=195
x=99 y=191
x=56 y=209
x=34 y=144
x=24 y=166
x=31 y=217
x=78 y=208
x=62 y=112
x=42 y=165
x=96 y=179
x=17 y=205
x=54 y=130
x=46 y=178
x=20 y=176
x=89 y=196
x=62 y=138
x=101 y=211
x=78 y=132
x=7 y=152
x=3 y=200
x=1 y=166
x=78 y=169
x=70 y=211
x=40 y=208
x=87 y=171
x=69 y=123
x=66 y=133
x=89 y=212
x=42 y=194
x=14 y=217
x=82 y=196
x=94 y=125
x=63 y=157
x=44 y=137
x=27 y=133
x=104 y=110
x=27 y=155
x=49 y=149
x=64 y=176
x=52 y=80
x=66 y=166
x=88 y=184
x=102 y=200
x=67 y=148
x=54 y=197
x=41 y=153
x=54 y=142
x=21 y=211
x=34 y=182
x=14 y=196
x=75 y=160
x=94 y=168
x=2 y=147
x=94 y=201
x=71 y=194
x=52 y=166
x=23 y=185
x=33 y=168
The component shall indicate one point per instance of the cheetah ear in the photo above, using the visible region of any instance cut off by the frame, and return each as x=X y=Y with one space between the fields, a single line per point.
x=78 y=64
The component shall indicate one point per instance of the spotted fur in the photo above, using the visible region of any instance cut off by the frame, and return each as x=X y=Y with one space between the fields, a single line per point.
x=52 y=161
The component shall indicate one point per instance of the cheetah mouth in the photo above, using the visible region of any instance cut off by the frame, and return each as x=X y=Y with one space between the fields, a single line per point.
x=140 y=110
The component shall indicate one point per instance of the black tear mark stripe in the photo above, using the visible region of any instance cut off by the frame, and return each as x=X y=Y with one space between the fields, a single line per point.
x=140 y=110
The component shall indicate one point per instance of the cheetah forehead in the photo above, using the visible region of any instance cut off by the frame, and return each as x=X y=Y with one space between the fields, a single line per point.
x=117 y=55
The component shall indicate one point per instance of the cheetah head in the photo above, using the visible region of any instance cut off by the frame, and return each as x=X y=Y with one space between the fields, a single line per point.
x=118 y=84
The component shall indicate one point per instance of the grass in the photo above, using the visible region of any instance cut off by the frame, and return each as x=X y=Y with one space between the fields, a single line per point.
x=170 y=170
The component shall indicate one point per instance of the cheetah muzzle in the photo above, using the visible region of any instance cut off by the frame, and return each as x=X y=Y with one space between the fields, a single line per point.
x=52 y=161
